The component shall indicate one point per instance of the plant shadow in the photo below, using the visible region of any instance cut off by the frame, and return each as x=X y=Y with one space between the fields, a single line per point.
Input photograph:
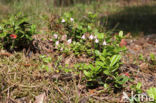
x=133 y=19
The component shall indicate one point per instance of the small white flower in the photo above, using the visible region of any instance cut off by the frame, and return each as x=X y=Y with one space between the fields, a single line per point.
x=57 y=43
x=63 y=21
x=83 y=37
x=69 y=41
x=55 y=36
x=91 y=37
x=71 y=19
x=104 y=42
x=96 y=41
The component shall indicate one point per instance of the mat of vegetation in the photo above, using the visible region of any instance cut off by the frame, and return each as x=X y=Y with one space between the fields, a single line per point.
x=66 y=59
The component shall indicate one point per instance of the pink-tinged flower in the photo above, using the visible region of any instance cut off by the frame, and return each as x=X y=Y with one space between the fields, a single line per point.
x=57 y=43
x=91 y=37
x=96 y=41
x=13 y=36
x=63 y=21
x=69 y=41
x=83 y=37
x=104 y=43
x=71 y=19
x=55 y=36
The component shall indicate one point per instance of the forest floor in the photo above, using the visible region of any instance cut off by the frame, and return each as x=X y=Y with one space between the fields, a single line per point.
x=21 y=80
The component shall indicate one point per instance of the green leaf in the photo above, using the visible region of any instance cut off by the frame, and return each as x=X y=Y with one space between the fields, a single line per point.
x=106 y=72
x=121 y=34
x=100 y=35
x=104 y=53
x=102 y=58
x=21 y=21
x=89 y=28
x=152 y=92
x=91 y=66
x=114 y=60
x=114 y=68
x=106 y=86
x=99 y=63
x=45 y=67
x=87 y=74
x=0 y=27
x=138 y=86
x=67 y=15
x=96 y=70
x=33 y=29
x=121 y=79
x=152 y=56
x=47 y=60
x=97 y=52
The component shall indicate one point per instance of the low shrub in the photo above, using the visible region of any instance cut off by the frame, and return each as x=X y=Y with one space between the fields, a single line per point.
x=16 y=32
x=84 y=39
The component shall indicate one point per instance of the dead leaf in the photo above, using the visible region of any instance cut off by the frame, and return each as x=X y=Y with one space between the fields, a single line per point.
x=40 y=98
x=27 y=65
x=143 y=66
x=81 y=86
x=137 y=48
x=92 y=91
x=128 y=35
x=5 y=54
x=64 y=38
x=150 y=42
x=69 y=59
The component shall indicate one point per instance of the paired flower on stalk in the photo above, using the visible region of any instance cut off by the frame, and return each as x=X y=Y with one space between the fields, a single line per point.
x=69 y=42
x=71 y=19
x=91 y=37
